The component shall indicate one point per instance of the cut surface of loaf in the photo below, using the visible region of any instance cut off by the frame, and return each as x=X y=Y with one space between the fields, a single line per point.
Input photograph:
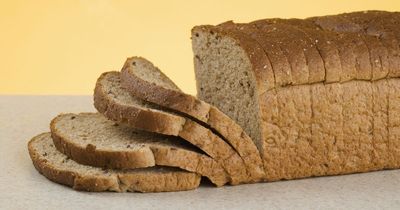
x=144 y=80
x=224 y=78
x=341 y=119
x=112 y=100
x=91 y=139
x=60 y=169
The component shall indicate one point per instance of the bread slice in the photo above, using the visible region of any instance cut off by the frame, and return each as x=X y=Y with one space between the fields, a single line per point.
x=59 y=168
x=112 y=100
x=144 y=80
x=91 y=139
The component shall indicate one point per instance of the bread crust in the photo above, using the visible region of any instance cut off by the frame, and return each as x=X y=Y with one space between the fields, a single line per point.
x=174 y=125
x=292 y=45
x=349 y=33
x=149 y=155
x=308 y=44
x=198 y=109
x=116 y=181
x=278 y=60
x=381 y=26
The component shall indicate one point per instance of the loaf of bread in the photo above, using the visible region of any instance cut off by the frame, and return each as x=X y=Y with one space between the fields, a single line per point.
x=318 y=96
x=277 y=99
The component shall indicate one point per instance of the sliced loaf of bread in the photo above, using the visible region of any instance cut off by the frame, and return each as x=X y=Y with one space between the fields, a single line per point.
x=112 y=100
x=92 y=139
x=59 y=168
x=340 y=120
x=144 y=80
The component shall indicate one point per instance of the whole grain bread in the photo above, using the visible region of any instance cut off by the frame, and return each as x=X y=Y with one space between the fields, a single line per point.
x=112 y=100
x=343 y=119
x=91 y=139
x=60 y=169
x=144 y=80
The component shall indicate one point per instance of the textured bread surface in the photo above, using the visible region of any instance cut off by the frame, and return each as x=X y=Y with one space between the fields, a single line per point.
x=91 y=139
x=144 y=80
x=60 y=169
x=223 y=76
x=318 y=96
x=112 y=100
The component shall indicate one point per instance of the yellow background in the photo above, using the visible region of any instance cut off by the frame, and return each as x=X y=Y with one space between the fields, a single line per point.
x=60 y=47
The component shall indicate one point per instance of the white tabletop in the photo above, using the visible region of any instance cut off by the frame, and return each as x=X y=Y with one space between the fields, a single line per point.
x=22 y=187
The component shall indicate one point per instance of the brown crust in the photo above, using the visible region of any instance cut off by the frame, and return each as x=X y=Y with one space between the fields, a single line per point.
x=200 y=110
x=160 y=122
x=379 y=55
x=308 y=43
x=355 y=40
x=118 y=183
x=375 y=50
x=350 y=42
x=149 y=155
x=292 y=45
x=276 y=61
x=326 y=48
x=382 y=26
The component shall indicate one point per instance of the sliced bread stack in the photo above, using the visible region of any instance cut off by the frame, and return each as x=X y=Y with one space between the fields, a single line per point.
x=148 y=136
x=283 y=99
x=59 y=168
